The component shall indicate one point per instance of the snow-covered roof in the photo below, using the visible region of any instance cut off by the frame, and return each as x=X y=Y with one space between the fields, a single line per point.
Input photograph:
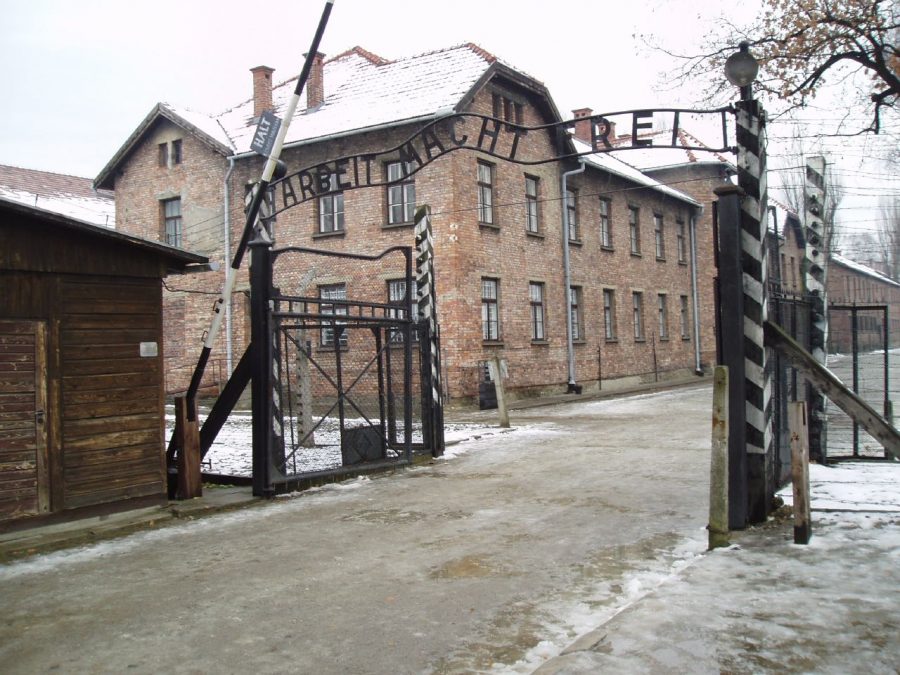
x=862 y=269
x=67 y=195
x=607 y=162
x=362 y=92
x=663 y=156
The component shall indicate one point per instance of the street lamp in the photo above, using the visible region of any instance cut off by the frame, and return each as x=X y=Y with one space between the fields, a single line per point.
x=741 y=69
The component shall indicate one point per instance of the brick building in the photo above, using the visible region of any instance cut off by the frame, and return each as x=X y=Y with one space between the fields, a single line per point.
x=853 y=285
x=639 y=256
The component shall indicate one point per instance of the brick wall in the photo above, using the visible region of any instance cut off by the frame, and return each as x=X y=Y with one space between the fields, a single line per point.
x=466 y=252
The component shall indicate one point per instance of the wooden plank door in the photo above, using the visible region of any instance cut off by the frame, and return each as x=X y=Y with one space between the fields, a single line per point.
x=24 y=487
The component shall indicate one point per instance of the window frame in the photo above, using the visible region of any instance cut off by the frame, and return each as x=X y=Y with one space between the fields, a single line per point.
x=326 y=333
x=335 y=200
x=403 y=186
x=634 y=229
x=662 y=304
x=685 y=318
x=606 y=235
x=176 y=151
x=659 y=236
x=572 y=211
x=538 y=317
x=576 y=299
x=532 y=205
x=490 y=310
x=486 y=193
x=173 y=236
x=609 y=315
x=637 y=309
x=681 y=241
x=396 y=336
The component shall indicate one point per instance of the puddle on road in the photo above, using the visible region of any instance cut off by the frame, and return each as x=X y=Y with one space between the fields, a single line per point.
x=467 y=567
x=401 y=516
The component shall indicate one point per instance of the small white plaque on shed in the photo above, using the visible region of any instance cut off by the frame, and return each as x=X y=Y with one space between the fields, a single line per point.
x=149 y=349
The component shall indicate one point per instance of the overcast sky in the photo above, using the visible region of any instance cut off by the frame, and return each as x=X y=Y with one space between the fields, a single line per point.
x=78 y=77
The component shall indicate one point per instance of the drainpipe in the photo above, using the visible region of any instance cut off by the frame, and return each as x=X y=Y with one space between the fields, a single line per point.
x=567 y=275
x=695 y=298
x=227 y=238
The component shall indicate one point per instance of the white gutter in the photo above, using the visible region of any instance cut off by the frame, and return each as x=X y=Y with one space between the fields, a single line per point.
x=229 y=354
x=695 y=299
x=567 y=273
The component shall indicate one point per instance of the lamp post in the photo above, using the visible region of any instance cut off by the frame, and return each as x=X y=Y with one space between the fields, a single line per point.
x=752 y=452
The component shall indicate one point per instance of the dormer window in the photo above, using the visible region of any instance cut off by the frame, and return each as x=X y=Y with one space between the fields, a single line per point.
x=504 y=108
x=169 y=153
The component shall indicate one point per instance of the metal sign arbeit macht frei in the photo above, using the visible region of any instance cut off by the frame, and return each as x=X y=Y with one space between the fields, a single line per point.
x=659 y=128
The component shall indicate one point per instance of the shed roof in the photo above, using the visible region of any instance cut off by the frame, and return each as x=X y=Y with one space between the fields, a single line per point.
x=60 y=193
x=179 y=257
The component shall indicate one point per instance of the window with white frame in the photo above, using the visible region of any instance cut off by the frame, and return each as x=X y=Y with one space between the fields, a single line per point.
x=536 y=298
x=663 y=316
x=575 y=302
x=606 y=239
x=532 y=213
x=485 y=193
x=490 y=309
x=572 y=211
x=609 y=313
x=401 y=193
x=659 y=236
x=634 y=229
x=397 y=296
x=637 y=310
x=681 y=240
x=332 y=292
x=685 y=318
x=171 y=217
x=331 y=209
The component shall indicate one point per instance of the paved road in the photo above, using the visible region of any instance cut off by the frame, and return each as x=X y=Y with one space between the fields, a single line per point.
x=489 y=561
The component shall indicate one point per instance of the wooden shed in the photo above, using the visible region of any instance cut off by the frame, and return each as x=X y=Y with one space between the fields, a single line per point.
x=82 y=420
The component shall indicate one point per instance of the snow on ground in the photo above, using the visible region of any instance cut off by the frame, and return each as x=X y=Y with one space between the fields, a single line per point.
x=852 y=486
x=231 y=454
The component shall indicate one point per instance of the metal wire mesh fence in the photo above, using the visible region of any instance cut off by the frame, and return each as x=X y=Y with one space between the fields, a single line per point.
x=860 y=355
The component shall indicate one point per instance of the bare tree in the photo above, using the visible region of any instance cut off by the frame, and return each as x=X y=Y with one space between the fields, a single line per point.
x=805 y=45
x=793 y=186
x=888 y=235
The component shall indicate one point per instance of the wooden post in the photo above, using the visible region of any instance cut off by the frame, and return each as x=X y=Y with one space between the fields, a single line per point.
x=497 y=377
x=304 y=392
x=834 y=389
x=190 y=483
x=799 y=430
x=718 y=469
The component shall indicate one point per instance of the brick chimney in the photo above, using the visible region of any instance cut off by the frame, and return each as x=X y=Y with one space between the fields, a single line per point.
x=583 y=124
x=315 y=85
x=262 y=89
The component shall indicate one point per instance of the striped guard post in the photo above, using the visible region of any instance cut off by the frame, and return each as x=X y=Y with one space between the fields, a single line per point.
x=814 y=265
x=751 y=141
x=427 y=299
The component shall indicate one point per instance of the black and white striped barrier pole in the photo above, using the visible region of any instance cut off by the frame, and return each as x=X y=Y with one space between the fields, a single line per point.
x=741 y=69
x=814 y=259
x=427 y=305
x=272 y=164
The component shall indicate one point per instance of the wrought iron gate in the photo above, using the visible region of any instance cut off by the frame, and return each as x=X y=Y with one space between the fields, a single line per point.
x=348 y=393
